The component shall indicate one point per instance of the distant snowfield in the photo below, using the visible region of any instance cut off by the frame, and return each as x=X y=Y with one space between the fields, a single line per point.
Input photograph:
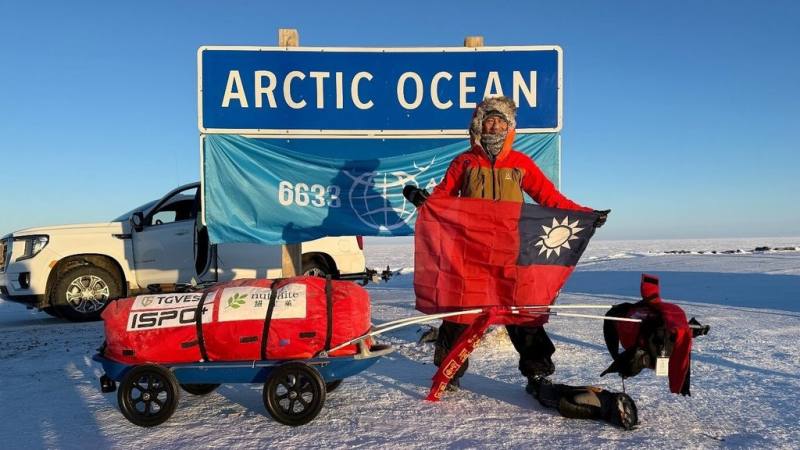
x=745 y=373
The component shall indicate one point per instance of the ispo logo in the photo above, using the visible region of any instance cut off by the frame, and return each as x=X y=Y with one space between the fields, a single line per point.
x=161 y=319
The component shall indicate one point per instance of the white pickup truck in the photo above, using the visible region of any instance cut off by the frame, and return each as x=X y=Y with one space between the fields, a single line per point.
x=73 y=270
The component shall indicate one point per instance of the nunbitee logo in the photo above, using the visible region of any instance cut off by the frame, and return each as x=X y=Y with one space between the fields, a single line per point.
x=235 y=301
x=251 y=303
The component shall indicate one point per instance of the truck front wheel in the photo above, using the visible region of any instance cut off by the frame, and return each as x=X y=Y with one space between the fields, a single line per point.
x=81 y=293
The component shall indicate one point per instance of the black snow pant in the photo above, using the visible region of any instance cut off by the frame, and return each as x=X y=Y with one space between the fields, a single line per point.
x=532 y=343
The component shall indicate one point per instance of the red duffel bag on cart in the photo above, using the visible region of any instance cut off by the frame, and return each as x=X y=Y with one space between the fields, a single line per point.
x=242 y=320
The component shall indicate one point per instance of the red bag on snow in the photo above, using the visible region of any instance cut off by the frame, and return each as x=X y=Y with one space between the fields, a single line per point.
x=226 y=322
x=663 y=332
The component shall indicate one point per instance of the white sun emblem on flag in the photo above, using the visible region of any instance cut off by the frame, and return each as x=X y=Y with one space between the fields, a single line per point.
x=557 y=236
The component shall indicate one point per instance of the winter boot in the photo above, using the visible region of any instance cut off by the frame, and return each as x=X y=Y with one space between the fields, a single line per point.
x=454 y=385
x=619 y=409
x=535 y=383
x=586 y=402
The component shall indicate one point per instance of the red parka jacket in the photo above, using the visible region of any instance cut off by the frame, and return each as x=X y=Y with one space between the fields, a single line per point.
x=472 y=174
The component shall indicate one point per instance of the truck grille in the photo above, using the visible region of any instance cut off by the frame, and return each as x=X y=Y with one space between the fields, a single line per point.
x=5 y=249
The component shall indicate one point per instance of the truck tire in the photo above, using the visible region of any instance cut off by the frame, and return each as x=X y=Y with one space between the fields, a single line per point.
x=81 y=293
x=51 y=311
x=316 y=268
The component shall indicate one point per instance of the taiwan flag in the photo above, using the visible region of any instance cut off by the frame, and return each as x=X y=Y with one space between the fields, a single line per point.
x=472 y=253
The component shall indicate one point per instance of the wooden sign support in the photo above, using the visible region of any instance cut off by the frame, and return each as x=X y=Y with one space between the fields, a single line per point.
x=291 y=254
x=473 y=41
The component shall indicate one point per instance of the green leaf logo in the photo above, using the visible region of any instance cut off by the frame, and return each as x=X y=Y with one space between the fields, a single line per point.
x=236 y=300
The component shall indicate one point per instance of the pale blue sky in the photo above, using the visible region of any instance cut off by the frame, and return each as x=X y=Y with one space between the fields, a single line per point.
x=680 y=116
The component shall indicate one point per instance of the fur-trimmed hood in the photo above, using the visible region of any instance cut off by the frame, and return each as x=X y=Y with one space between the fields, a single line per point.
x=503 y=106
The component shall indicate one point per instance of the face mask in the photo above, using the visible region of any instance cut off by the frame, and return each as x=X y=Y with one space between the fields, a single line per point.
x=493 y=143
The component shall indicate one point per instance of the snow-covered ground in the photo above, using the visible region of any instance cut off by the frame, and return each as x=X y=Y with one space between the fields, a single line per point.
x=745 y=373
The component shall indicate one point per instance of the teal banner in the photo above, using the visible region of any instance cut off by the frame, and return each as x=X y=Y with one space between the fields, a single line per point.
x=280 y=191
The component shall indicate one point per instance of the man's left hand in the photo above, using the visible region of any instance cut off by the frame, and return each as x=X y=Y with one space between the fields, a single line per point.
x=415 y=195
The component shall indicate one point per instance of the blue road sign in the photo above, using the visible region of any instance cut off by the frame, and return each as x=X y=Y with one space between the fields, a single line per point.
x=303 y=91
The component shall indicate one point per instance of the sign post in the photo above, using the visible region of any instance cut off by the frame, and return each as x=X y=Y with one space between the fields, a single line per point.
x=473 y=41
x=291 y=254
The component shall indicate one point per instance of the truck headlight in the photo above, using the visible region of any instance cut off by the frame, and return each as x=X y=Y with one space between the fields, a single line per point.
x=33 y=245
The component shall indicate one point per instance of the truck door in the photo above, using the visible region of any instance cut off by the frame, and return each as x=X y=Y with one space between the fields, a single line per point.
x=230 y=261
x=163 y=251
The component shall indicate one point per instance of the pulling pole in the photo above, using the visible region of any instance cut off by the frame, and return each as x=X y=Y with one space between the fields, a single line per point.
x=389 y=326
x=291 y=254
x=592 y=316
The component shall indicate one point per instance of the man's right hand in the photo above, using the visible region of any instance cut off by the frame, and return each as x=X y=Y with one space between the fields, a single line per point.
x=415 y=195
x=601 y=218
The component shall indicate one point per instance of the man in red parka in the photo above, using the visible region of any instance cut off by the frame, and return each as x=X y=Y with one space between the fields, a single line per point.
x=492 y=170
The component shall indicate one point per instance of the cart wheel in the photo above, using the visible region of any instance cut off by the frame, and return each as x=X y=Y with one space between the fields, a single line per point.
x=294 y=393
x=148 y=395
x=332 y=385
x=199 y=389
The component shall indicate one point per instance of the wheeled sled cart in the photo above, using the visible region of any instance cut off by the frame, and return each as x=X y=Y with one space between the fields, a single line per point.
x=294 y=391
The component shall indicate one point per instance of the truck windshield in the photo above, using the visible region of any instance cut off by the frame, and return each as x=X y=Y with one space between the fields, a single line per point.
x=142 y=208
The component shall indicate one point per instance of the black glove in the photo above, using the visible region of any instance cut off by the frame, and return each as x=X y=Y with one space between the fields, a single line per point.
x=415 y=195
x=601 y=219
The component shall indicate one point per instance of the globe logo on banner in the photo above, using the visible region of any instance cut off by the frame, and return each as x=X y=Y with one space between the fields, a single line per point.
x=377 y=197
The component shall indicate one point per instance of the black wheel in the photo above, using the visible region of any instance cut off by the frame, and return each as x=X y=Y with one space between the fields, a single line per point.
x=332 y=385
x=199 y=389
x=81 y=293
x=148 y=395
x=316 y=268
x=294 y=393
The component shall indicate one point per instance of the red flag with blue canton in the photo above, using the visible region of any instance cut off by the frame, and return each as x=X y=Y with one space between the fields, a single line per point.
x=472 y=253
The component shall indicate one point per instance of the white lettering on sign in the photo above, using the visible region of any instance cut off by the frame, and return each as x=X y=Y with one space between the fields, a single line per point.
x=401 y=95
x=265 y=90
x=234 y=79
x=529 y=89
x=287 y=89
x=464 y=89
x=320 y=77
x=493 y=87
x=435 y=90
x=339 y=91
x=354 y=90
x=412 y=89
